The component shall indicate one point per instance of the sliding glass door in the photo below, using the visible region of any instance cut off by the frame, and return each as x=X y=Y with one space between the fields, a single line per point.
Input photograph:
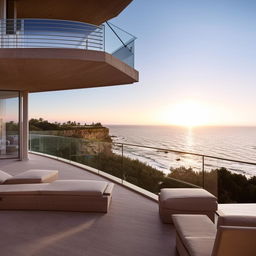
x=9 y=124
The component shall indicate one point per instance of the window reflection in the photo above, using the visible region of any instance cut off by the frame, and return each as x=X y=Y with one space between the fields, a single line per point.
x=9 y=124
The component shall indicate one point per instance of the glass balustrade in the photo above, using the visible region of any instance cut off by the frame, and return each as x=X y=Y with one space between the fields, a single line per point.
x=140 y=166
x=46 y=33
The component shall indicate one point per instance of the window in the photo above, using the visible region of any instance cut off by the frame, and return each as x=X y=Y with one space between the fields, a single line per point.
x=9 y=124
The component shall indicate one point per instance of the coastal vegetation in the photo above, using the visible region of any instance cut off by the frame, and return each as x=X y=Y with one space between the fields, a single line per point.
x=228 y=187
x=44 y=125
x=92 y=132
x=12 y=126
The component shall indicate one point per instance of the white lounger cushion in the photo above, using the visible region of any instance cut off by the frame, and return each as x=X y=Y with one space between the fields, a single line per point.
x=194 y=225
x=4 y=176
x=61 y=187
x=196 y=232
x=76 y=187
x=22 y=189
x=200 y=246
x=33 y=176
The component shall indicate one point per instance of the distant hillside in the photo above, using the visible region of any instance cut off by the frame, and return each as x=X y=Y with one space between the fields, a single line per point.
x=44 y=125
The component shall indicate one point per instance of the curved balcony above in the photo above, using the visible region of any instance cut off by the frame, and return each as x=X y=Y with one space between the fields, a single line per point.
x=42 y=55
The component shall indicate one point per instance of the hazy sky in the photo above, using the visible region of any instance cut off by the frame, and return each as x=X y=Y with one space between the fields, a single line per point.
x=198 y=55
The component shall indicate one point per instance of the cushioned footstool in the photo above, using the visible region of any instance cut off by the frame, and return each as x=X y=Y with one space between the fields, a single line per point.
x=186 y=201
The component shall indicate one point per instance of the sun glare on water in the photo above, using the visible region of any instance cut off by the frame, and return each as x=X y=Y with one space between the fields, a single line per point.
x=188 y=113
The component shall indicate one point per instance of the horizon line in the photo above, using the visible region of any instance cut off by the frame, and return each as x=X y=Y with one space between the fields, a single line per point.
x=133 y=124
x=183 y=126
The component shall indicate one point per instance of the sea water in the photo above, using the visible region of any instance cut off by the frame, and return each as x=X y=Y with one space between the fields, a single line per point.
x=238 y=143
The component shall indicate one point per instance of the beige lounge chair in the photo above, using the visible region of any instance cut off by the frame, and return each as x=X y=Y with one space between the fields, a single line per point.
x=30 y=176
x=60 y=195
x=196 y=235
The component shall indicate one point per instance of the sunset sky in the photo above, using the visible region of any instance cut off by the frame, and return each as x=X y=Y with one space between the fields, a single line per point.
x=197 y=64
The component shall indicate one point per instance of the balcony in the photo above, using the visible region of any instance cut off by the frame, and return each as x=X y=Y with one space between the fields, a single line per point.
x=131 y=227
x=64 y=54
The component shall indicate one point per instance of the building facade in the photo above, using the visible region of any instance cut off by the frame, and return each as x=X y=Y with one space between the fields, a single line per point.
x=56 y=45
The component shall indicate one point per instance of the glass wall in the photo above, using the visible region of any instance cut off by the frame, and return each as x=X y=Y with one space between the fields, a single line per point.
x=9 y=124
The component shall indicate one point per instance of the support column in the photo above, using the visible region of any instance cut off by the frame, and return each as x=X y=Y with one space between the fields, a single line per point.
x=11 y=12
x=24 y=127
x=2 y=127
x=2 y=9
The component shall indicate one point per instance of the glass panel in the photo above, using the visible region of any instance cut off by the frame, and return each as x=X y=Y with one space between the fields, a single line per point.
x=9 y=124
x=119 y=43
x=153 y=168
x=142 y=168
x=236 y=181
x=126 y=54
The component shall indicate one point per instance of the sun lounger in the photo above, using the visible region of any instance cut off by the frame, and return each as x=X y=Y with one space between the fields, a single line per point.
x=196 y=235
x=60 y=195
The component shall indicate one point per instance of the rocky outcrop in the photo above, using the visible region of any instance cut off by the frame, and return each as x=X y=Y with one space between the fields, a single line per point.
x=99 y=134
x=72 y=143
x=88 y=133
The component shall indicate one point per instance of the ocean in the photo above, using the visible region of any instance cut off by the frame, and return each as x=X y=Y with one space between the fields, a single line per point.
x=238 y=143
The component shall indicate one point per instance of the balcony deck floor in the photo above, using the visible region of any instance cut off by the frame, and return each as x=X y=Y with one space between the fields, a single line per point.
x=131 y=227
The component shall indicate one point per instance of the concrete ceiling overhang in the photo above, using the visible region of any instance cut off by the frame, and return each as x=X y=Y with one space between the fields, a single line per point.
x=89 y=11
x=42 y=69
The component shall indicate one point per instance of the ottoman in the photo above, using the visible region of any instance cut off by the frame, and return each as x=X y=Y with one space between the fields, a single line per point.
x=186 y=201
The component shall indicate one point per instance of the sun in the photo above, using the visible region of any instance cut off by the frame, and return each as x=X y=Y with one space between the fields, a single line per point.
x=188 y=113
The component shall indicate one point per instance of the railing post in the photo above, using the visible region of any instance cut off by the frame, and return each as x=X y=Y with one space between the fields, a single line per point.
x=104 y=31
x=99 y=166
x=30 y=141
x=122 y=163
x=203 y=183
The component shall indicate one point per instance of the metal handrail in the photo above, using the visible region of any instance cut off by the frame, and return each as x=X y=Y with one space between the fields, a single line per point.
x=36 y=39
x=43 y=33
x=184 y=152
x=36 y=45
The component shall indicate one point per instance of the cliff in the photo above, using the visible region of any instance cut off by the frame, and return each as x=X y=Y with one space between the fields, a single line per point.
x=88 y=133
